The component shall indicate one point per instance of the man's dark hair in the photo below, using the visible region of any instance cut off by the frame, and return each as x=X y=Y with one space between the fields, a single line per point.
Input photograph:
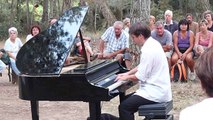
x=140 y=29
x=204 y=71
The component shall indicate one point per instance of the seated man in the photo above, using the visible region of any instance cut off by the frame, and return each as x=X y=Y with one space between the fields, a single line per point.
x=165 y=38
x=116 y=44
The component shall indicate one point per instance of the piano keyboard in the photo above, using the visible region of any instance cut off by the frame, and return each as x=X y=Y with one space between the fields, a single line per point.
x=110 y=83
x=116 y=84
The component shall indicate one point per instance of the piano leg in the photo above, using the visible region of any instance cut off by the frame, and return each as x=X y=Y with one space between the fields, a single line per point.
x=95 y=110
x=34 y=109
x=122 y=96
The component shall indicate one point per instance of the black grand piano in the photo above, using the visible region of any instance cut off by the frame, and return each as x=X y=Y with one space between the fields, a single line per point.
x=44 y=77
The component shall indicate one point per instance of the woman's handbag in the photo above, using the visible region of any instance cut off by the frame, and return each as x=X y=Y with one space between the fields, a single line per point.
x=179 y=72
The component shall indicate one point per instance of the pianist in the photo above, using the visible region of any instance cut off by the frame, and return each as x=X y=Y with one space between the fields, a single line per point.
x=152 y=74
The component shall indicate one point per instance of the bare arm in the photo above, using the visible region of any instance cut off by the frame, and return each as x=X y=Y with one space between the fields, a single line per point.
x=11 y=55
x=101 y=46
x=175 y=37
x=167 y=48
x=196 y=41
x=191 y=39
x=211 y=40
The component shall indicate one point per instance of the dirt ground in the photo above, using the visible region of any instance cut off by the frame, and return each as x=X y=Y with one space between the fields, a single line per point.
x=13 y=108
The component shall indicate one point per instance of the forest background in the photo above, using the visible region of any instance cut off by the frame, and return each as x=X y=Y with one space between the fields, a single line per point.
x=22 y=14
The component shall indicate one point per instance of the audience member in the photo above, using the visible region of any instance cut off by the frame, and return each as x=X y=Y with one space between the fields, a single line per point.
x=204 y=71
x=208 y=15
x=203 y=39
x=152 y=74
x=127 y=24
x=89 y=52
x=193 y=26
x=164 y=37
x=183 y=45
x=152 y=22
x=12 y=46
x=2 y=65
x=33 y=32
x=116 y=44
x=170 y=25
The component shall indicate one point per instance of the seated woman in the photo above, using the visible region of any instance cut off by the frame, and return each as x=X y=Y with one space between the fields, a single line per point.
x=203 y=39
x=12 y=46
x=33 y=32
x=183 y=45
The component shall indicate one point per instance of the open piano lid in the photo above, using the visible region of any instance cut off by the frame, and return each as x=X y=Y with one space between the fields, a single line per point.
x=46 y=52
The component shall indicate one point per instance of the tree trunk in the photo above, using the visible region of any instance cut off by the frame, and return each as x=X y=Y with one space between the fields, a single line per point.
x=45 y=12
x=28 y=15
x=107 y=13
x=66 y=5
x=140 y=11
x=55 y=8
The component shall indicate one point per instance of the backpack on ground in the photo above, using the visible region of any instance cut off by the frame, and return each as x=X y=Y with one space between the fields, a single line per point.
x=179 y=72
x=5 y=57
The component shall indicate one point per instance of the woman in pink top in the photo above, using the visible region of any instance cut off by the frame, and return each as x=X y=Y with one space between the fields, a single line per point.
x=203 y=39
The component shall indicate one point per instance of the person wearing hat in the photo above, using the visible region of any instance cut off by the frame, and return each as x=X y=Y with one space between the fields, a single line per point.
x=12 y=46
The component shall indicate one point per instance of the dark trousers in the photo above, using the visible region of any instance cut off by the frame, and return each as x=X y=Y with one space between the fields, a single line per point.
x=130 y=105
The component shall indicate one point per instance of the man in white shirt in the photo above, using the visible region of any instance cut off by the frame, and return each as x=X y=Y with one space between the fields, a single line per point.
x=204 y=71
x=152 y=74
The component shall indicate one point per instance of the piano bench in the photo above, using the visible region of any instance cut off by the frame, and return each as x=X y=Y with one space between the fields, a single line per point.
x=158 y=111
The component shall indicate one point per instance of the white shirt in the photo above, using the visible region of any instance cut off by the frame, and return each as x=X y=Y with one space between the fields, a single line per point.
x=153 y=73
x=28 y=37
x=13 y=47
x=199 y=111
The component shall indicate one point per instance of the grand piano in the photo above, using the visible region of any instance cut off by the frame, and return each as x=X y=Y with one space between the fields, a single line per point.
x=45 y=78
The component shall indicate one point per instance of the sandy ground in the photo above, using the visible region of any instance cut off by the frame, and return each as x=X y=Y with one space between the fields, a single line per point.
x=13 y=108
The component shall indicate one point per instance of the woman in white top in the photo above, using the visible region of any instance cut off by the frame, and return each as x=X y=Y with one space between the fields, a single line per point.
x=34 y=31
x=204 y=71
x=12 y=46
